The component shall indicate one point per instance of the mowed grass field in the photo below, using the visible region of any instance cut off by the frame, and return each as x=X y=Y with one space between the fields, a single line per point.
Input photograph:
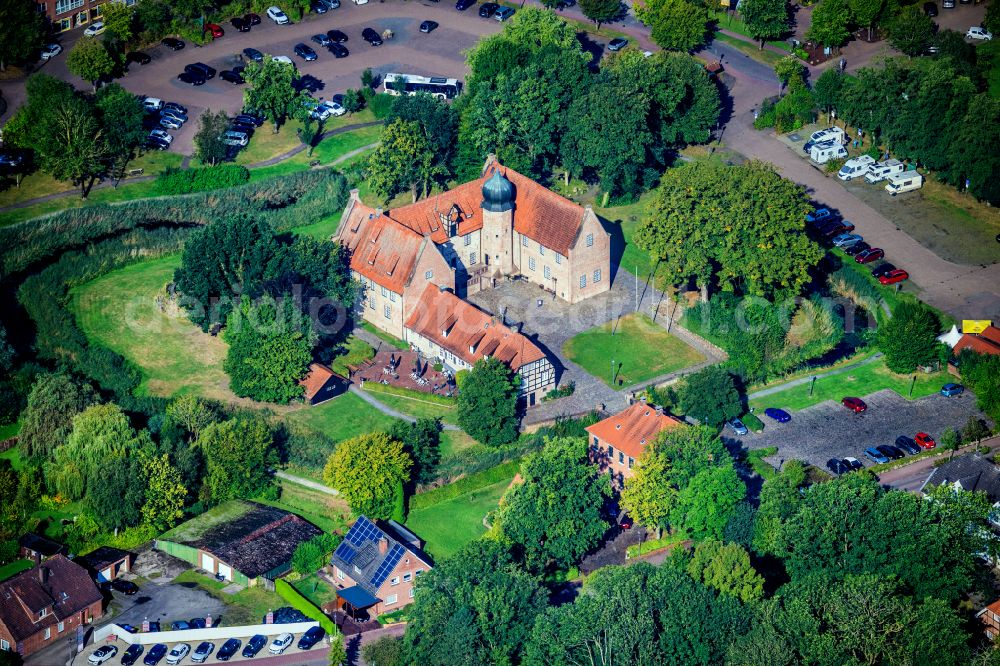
x=447 y=526
x=640 y=348
x=119 y=310
x=343 y=417
x=857 y=382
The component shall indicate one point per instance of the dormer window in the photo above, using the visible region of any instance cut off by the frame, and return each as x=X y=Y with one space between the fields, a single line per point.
x=42 y=613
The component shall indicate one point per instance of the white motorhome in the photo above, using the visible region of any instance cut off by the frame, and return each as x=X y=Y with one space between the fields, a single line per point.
x=823 y=152
x=828 y=134
x=882 y=170
x=904 y=182
x=856 y=167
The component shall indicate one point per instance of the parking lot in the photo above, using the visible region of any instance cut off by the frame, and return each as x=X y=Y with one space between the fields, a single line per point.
x=828 y=430
x=166 y=603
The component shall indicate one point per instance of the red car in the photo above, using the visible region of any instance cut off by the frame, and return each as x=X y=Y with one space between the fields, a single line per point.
x=924 y=440
x=892 y=277
x=215 y=29
x=856 y=405
x=869 y=255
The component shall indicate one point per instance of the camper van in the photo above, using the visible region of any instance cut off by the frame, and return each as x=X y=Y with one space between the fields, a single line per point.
x=882 y=170
x=904 y=182
x=855 y=167
x=823 y=152
x=828 y=134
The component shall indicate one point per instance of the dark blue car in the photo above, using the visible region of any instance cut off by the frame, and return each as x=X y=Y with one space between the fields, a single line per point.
x=949 y=390
x=228 y=649
x=132 y=654
x=254 y=645
x=155 y=654
x=779 y=415
x=311 y=637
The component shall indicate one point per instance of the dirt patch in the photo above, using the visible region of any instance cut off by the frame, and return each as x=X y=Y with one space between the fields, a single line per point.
x=158 y=566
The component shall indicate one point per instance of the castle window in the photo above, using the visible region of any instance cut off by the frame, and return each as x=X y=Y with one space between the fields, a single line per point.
x=597 y=276
x=467 y=239
x=524 y=241
x=428 y=275
x=531 y=263
x=590 y=240
x=558 y=258
x=547 y=272
x=387 y=311
x=583 y=281
x=541 y=249
x=472 y=258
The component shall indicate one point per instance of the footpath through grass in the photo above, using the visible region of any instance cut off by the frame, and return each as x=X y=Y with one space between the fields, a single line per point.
x=640 y=348
x=858 y=382
x=343 y=417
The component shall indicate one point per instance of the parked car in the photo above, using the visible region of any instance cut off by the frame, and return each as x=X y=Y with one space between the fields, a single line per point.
x=339 y=50
x=248 y=130
x=906 y=444
x=876 y=456
x=882 y=269
x=321 y=39
x=312 y=636
x=191 y=79
x=253 y=54
x=819 y=215
x=198 y=623
x=979 y=32
x=157 y=143
x=924 y=440
x=97 y=27
x=949 y=390
x=180 y=625
x=138 y=57
x=132 y=654
x=371 y=37
x=838 y=227
x=176 y=109
x=201 y=69
x=428 y=26
x=172 y=43
x=280 y=643
x=738 y=427
x=305 y=52
x=870 y=255
x=11 y=159
x=462 y=5
x=284 y=59
x=337 y=36
x=170 y=123
x=50 y=51
x=487 y=9
x=617 y=44
x=252 y=19
x=856 y=405
x=215 y=29
x=228 y=649
x=779 y=415
x=254 y=645
x=202 y=652
x=625 y=521
x=891 y=452
x=126 y=587
x=233 y=138
x=240 y=25
x=176 y=655
x=843 y=465
x=503 y=14
x=317 y=7
x=856 y=249
x=102 y=654
x=249 y=119
x=894 y=276
x=326 y=109
x=843 y=240
x=276 y=15
x=152 y=104
x=155 y=654
x=232 y=76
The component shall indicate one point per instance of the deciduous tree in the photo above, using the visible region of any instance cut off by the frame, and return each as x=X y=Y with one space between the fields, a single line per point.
x=711 y=396
x=487 y=403
x=75 y=149
x=117 y=495
x=827 y=89
x=403 y=160
x=677 y=25
x=421 y=440
x=89 y=59
x=726 y=568
x=118 y=21
x=366 y=470
x=865 y=12
x=706 y=504
x=120 y=115
x=649 y=496
x=790 y=71
x=21 y=31
x=829 y=23
x=238 y=454
x=271 y=91
x=765 y=19
x=911 y=31
x=209 y=145
x=909 y=338
x=48 y=419
x=165 y=493
x=601 y=11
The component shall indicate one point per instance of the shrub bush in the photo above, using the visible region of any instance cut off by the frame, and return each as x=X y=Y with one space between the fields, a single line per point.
x=767 y=116
x=185 y=181
x=752 y=422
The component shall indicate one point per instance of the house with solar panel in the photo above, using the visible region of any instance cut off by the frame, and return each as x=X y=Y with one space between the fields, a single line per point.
x=376 y=566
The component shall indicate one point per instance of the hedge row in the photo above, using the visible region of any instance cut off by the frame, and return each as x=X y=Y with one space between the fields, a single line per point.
x=186 y=181
x=282 y=201
x=466 y=484
x=306 y=607
x=403 y=392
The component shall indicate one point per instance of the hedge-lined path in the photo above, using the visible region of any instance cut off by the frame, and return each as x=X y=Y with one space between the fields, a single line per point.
x=104 y=184
x=308 y=483
x=387 y=410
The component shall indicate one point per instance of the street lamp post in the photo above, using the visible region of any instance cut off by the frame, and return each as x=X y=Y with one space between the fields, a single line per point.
x=612 y=372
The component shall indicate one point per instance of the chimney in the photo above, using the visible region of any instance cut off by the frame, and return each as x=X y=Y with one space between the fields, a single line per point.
x=383 y=545
x=43 y=575
x=378 y=212
x=659 y=411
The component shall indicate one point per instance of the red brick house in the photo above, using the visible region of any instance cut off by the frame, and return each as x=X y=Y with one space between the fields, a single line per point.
x=617 y=442
x=42 y=604
x=376 y=567
x=990 y=617
x=36 y=547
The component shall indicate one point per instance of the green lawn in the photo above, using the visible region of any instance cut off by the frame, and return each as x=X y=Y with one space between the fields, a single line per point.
x=414 y=406
x=356 y=352
x=858 y=382
x=454 y=441
x=328 y=512
x=15 y=567
x=322 y=230
x=767 y=57
x=634 y=259
x=383 y=336
x=14 y=456
x=640 y=348
x=343 y=417
x=119 y=310
x=315 y=589
x=9 y=430
x=448 y=526
x=247 y=606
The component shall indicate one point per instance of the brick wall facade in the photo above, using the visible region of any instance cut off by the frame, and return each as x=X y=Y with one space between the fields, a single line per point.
x=617 y=463
x=39 y=640
x=69 y=14
x=392 y=596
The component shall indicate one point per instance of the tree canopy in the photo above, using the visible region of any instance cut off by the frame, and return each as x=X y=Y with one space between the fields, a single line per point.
x=271 y=90
x=89 y=59
x=711 y=396
x=209 y=143
x=238 y=454
x=829 y=24
x=765 y=19
x=677 y=25
x=909 y=338
x=47 y=421
x=487 y=403
x=367 y=470
x=403 y=160
x=22 y=28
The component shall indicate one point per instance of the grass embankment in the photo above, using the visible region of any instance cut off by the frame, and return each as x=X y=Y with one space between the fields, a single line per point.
x=330 y=513
x=767 y=57
x=415 y=403
x=388 y=338
x=640 y=348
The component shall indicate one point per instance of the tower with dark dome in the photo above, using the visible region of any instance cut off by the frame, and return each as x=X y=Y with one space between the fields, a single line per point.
x=498 y=222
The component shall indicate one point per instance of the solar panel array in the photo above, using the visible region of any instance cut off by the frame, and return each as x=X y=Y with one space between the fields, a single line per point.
x=363 y=530
x=388 y=564
x=345 y=552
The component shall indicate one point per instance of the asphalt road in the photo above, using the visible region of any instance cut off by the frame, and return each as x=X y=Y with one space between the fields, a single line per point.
x=912 y=476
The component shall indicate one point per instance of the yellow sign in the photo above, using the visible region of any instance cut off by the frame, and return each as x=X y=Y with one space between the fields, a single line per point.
x=975 y=325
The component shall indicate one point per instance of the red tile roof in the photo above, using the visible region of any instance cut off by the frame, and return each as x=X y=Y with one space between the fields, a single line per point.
x=381 y=249
x=317 y=378
x=991 y=333
x=458 y=326
x=67 y=589
x=993 y=607
x=987 y=342
x=633 y=429
x=539 y=213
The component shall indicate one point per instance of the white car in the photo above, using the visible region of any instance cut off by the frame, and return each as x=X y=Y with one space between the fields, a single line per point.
x=94 y=30
x=162 y=135
x=361 y=2
x=51 y=51
x=232 y=138
x=284 y=59
x=326 y=109
x=276 y=15
x=152 y=103
x=178 y=653
x=280 y=644
x=102 y=654
x=978 y=32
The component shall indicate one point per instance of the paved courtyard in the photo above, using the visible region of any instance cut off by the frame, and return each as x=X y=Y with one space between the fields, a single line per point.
x=828 y=430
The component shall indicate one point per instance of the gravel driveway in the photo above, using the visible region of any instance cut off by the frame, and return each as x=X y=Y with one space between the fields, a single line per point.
x=828 y=430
